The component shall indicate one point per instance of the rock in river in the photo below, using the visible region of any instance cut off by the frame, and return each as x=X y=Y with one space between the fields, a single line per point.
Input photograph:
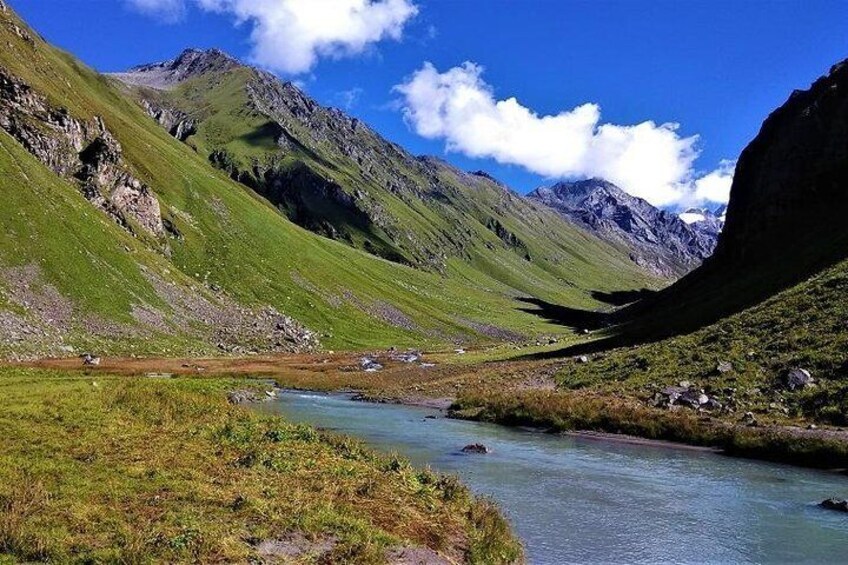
x=838 y=504
x=476 y=448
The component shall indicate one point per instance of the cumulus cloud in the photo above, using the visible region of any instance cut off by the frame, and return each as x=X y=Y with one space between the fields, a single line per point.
x=715 y=186
x=649 y=160
x=291 y=35
x=169 y=11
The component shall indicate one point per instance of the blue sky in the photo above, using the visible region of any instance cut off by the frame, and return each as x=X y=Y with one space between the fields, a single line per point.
x=715 y=68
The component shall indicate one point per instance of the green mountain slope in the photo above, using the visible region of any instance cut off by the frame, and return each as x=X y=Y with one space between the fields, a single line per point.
x=335 y=176
x=191 y=261
x=805 y=326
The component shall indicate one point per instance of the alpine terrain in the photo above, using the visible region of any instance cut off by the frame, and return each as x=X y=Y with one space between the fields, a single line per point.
x=207 y=277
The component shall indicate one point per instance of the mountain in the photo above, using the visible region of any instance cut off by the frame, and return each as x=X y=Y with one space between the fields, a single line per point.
x=333 y=175
x=706 y=222
x=785 y=220
x=118 y=237
x=668 y=245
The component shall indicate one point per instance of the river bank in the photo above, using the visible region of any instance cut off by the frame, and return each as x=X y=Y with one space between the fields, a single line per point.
x=513 y=392
x=578 y=499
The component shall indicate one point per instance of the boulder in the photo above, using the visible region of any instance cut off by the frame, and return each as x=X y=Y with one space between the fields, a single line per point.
x=582 y=359
x=90 y=360
x=797 y=379
x=838 y=504
x=692 y=398
x=711 y=404
x=242 y=396
x=724 y=367
x=370 y=365
x=408 y=357
x=476 y=448
x=749 y=420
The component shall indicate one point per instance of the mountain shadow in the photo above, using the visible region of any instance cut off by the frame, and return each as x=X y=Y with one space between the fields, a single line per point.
x=567 y=316
x=622 y=297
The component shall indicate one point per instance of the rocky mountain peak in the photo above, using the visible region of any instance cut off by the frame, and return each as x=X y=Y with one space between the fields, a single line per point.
x=189 y=64
x=658 y=240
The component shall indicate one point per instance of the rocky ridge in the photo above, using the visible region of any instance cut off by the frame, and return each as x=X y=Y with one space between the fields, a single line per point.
x=168 y=74
x=335 y=176
x=658 y=240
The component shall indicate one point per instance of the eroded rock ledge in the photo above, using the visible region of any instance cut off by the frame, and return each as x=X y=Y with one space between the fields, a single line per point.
x=83 y=151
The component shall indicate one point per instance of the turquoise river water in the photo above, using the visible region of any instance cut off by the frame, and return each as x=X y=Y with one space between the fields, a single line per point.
x=580 y=500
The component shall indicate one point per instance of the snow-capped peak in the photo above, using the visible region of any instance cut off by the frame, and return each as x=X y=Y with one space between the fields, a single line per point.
x=693 y=215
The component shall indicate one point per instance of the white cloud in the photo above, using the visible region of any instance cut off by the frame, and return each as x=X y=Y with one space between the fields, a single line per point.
x=169 y=11
x=648 y=160
x=290 y=35
x=715 y=186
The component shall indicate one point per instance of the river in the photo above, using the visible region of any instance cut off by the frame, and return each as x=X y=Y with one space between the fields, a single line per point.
x=581 y=500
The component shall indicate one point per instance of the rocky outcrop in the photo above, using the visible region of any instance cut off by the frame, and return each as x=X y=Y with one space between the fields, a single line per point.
x=178 y=123
x=791 y=181
x=81 y=150
x=658 y=240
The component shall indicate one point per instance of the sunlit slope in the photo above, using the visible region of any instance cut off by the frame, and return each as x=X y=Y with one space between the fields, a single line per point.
x=235 y=243
x=334 y=175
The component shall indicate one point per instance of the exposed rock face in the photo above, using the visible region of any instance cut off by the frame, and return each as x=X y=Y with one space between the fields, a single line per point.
x=791 y=181
x=707 y=222
x=177 y=123
x=658 y=240
x=190 y=63
x=86 y=151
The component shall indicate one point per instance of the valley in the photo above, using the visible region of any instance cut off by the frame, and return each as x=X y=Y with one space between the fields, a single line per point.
x=237 y=325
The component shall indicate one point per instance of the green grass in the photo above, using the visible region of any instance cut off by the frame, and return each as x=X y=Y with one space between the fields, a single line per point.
x=136 y=470
x=237 y=241
x=804 y=326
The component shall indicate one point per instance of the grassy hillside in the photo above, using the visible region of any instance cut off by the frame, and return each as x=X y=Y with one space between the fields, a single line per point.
x=134 y=470
x=235 y=246
x=617 y=390
x=335 y=175
x=805 y=326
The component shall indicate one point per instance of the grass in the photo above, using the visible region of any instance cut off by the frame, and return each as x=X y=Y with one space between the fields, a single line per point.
x=121 y=469
x=804 y=326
